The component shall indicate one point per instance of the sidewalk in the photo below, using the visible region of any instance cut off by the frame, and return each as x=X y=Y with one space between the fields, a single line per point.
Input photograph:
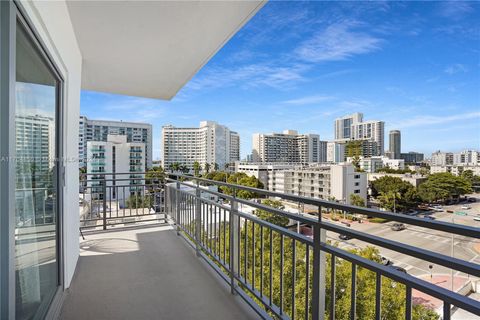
x=441 y=280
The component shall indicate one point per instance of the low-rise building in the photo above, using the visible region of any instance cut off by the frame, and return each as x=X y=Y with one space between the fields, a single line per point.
x=372 y=164
x=323 y=181
x=455 y=169
x=115 y=155
x=412 y=157
x=414 y=179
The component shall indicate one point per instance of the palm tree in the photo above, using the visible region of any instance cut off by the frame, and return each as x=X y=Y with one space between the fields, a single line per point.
x=389 y=198
x=215 y=166
x=175 y=166
x=207 y=167
x=183 y=168
x=196 y=168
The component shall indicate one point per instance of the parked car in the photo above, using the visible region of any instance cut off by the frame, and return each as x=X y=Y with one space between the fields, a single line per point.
x=429 y=217
x=398 y=227
x=386 y=261
x=477 y=218
x=344 y=237
x=472 y=199
x=466 y=207
x=411 y=212
x=437 y=208
x=398 y=268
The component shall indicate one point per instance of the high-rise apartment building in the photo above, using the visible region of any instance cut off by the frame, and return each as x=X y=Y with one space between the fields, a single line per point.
x=288 y=146
x=98 y=130
x=115 y=155
x=467 y=157
x=412 y=157
x=394 y=145
x=35 y=142
x=234 y=147
x=372 y=131
x=352 y=127
x=441 y=158
x=211 y=143
x=335 y=152
x=322 y=181
x=343 y=126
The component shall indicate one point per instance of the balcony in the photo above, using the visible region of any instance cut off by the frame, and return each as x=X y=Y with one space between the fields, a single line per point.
x=280 y=272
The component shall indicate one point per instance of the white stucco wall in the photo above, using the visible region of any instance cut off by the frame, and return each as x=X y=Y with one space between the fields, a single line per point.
x=51 y=21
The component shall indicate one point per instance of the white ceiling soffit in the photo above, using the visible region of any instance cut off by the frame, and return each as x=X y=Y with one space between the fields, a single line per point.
x=152 y=48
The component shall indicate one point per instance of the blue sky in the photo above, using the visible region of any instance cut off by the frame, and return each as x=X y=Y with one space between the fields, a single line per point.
x=300 y=65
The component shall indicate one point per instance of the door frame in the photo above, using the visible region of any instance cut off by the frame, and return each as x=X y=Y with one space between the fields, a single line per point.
x=11 y=13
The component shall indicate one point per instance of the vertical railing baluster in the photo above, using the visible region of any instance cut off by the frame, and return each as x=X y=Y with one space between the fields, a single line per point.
x=104 y=202
x=318 y=287
x=307 y=280
x=261 y=260
x=198 y=209
x=408 y=303
x=245 y=251
x=253 y=255
x=294 y=270
x=234 y=226
x=333 y=275
x=353 y=294
x=446 y=311
x=281 y=272
x=177 y=205
x=271 y=267
x=378 y=297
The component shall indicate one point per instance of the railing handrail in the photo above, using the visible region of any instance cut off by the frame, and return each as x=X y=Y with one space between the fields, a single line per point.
x=449 y=297
x=457 y=229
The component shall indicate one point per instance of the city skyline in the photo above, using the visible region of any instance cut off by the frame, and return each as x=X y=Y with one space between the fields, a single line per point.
x=286 y=70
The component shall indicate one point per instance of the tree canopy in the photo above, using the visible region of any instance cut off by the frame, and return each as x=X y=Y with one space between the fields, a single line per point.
x=272 y=217
x=394 y=192
x=443 y=186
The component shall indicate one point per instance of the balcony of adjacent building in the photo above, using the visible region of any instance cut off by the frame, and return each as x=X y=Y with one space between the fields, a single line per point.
x=179 y=250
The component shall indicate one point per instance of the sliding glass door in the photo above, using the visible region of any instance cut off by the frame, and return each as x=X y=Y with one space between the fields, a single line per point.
x=36 y=177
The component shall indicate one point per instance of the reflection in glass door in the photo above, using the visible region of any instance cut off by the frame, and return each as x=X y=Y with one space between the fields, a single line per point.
x=36 y=232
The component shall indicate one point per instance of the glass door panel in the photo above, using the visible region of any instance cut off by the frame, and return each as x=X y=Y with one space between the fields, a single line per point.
x=36 y=236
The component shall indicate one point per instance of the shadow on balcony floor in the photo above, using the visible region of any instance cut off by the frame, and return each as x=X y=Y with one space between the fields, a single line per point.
x=148 y=273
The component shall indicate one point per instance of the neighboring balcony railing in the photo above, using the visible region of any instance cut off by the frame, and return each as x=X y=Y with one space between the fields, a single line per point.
x=108 y=199
x=252 y=254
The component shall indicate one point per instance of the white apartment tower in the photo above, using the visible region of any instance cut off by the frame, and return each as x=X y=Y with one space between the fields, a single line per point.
x=98 y=130
x=211 y=143
x=35 y=142
x=335 y=152
x=115 y=155
x=352 y=127
x=343 y=125
x=288 y=146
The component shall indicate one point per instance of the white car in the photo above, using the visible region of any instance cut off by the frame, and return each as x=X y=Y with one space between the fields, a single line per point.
x=466 y=207
x=437 y=208
x=477 y=218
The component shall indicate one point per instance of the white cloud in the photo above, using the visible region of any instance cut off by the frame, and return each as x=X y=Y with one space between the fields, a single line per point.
x=252 y=75
x=454 y=9
x=455 y=68
x=426 y=120
x=338 y=41
x=309 y=100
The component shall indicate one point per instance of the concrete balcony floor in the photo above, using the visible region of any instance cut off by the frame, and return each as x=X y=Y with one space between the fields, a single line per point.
x=147 y=273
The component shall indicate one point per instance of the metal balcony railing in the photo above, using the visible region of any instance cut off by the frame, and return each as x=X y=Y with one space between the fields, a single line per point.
x=241 y=248
x=108 y=199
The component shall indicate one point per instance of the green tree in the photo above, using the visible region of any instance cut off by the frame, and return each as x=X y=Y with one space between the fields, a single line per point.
x=139 y=201
x=184 y=169
x=393 y=190
x=272 y=217
x=207 y=167
x=155 y=175
x=243 y=179
x=356 y=200
x=215 y=166
x=443 y=186
x=353 y=149
x=390 y=200
x=196 y=168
